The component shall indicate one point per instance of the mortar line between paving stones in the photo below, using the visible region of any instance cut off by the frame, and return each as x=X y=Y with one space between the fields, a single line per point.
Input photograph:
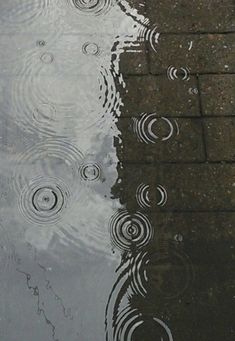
x=156 y=74
x=214 y=210
x=182 y=117
x=196 y=33
x=197 y=162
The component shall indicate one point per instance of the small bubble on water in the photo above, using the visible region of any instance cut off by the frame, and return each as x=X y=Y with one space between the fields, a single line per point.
x=47 y=58
x=91 y=49
x=41 y=43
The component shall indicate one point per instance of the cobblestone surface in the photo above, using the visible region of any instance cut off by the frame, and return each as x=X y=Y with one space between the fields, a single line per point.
x=185 y=185
x=185 y=144
x=210 y=53
x=220 y=138
x=150 y=92
x=203 y=187
x=218 y=95
x=192 y=16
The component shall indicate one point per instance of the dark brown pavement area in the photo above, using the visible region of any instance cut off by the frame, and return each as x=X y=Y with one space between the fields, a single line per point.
x=187 y=85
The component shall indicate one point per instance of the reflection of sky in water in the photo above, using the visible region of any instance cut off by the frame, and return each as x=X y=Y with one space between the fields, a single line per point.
x=59 y=75
x=79 y=255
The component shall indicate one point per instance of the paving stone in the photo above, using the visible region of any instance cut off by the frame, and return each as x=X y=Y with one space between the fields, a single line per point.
x=158 y=94
x=199 y=187
x=220 y=138
x=133 y=61
x=192 y=16
x=205 y=53
x=217 y=95
x=184 y=187
x=155 y=139
x=188 y=230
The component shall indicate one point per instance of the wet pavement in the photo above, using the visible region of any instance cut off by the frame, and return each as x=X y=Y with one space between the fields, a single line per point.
x=117 y=177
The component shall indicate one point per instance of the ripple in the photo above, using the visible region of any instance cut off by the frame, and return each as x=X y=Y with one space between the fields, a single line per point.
x=133 y=325
x=16 y=12
x=142 y=196
x=32 y=108
x=91 y=7
x=130 y=231
x=90 y=172
x=182 y=73
x=44 y=112
x=109 y=96
x=193 y=91
x=137 y=273
x=46 y=176
x=145 y=31
x=144 y=128
x=163 y=195
x=169 y=275
x=91 y=49
x=47 y=58
x=46 y=102
x=43 y=200
x=148 y=34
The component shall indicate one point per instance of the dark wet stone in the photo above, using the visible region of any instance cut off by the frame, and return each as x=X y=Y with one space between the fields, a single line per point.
x=220 y=138
x=217 y=95
x=134 y=61
x=148 y=94
x=190 y=187
x=192 y=16
x=209 y=53
x=184 y=145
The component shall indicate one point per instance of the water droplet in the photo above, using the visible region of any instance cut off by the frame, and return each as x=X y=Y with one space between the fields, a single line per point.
x=91 y=49
x=41 y=43
x=47 y=58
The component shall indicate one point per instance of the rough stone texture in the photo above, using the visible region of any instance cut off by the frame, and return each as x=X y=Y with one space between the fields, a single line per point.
x=220 y=138
x=198 y=227
x=192 y=16
x=209 y=53
x=217 y=94
x=185 y=144
x=134 y=61
x=148 y=94
x=193 y=187
x=191 y=268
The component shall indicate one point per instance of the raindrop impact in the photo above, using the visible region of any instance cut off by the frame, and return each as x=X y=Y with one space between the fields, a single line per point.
x=130 y=231
x=150 y=129
x=182 y=73
x=43 y=200
x=91 y=49
x=91 y=7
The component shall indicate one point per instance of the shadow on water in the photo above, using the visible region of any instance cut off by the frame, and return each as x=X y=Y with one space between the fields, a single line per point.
x=111 y=229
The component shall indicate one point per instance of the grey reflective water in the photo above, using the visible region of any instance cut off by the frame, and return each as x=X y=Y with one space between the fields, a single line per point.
x=110 y=227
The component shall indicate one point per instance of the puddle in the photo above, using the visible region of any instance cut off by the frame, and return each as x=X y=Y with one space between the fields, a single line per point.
x=102 y=236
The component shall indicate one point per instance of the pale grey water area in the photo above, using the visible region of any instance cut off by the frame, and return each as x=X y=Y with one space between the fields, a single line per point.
x=103 y=237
